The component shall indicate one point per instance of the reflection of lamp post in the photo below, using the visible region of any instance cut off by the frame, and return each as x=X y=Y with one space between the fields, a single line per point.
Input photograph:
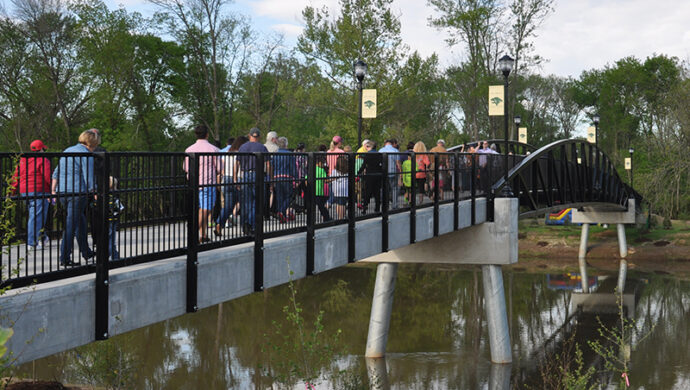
x=631 y=150
x=595 y=119
x=360 y=72
x=505 y=64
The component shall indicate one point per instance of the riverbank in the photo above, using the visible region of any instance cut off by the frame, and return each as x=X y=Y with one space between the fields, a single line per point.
x=555 y=249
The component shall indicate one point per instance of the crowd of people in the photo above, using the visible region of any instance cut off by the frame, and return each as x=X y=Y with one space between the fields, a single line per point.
x=227 y=183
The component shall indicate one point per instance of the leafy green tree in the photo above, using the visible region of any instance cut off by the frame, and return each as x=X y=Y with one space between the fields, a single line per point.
x=366 y=30
x=217 y=47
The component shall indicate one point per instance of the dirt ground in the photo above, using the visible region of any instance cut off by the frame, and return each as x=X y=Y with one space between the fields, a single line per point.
x=555 y=248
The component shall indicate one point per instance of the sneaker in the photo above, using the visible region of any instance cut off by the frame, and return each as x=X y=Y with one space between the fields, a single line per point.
x=291 y=216
x=281 y=217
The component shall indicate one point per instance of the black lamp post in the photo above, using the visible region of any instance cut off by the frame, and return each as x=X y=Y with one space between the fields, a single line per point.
x=631 y=150
x=595 y=119
x=360 y=72
x=505 y=64
x=517 y=121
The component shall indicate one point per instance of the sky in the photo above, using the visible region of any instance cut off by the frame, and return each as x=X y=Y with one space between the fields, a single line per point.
x=579 y=35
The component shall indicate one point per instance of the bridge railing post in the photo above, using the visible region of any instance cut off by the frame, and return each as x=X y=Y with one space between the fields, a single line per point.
x=413 y=198
x=103 y=249
x=192 y=230
x=351 y=207
x=456 y=190
x=436 y=194
x=311 y=212
x=385 y=188
x=260 y=171
x=473 y=185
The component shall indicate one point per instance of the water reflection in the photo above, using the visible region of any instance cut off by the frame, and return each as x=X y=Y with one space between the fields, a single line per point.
x=437 y=340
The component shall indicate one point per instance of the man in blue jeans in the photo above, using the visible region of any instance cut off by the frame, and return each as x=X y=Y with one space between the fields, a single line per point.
x=394 y=165
x=284 y=171
x=246 y=163
x=74 y=179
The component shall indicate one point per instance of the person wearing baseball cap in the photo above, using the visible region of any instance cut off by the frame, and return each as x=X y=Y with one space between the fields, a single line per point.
x=32 y=178
x=38 y=146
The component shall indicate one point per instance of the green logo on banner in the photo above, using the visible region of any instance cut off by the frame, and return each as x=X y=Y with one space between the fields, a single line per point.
x=591 y=135
x=369 y=103
x=522 y=136
x=496 y=101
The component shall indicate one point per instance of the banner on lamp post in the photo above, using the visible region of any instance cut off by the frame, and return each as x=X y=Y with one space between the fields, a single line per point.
x=592 y=134
x=522 y=135
x=579 y=160
x=368 y=103
x=496 y=100
x=628 y=164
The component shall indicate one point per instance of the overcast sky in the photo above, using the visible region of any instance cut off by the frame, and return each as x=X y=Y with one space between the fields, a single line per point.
x=579 y=35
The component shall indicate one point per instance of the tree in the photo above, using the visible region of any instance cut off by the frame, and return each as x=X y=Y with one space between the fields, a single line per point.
x=527 y=16
x=365 y=30
x=476 y=24
x=218 y=49
x=50 y=34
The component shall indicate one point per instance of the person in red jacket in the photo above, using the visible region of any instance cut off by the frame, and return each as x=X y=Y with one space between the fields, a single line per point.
x=32 y=178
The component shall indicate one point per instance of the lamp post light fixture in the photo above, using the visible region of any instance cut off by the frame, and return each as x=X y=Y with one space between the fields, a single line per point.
x=517 y=120
x=505 y=65
x=631 y=150
x=595 y=119
x=360 y=71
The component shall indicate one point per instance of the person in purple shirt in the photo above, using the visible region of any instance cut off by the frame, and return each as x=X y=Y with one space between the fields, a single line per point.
x=247 y=164
x=209 y=169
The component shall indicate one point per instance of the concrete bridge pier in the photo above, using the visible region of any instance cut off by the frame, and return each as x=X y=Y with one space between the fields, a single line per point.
x=622 y=244
x=590 y=215
x=581 y=258
x=489 y=244
x=377 y=373
x=496 y=314
x=381 y=307
x=499 y=376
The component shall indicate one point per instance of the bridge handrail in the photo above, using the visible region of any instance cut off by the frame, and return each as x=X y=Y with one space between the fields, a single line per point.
x=557 y=166
x=515 y=147
x=160 y=201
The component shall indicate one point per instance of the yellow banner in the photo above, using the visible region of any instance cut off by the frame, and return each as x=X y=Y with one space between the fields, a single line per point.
x=496 y=100
x=368 y=103
x=628 y=164
x=522 y=135
x=592 y=135
x=579 y=160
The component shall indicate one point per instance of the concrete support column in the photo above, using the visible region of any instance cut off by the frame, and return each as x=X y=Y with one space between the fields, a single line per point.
x=622 y=245
x=377 y=373
x=497 y=320
x=381 y=308
x=499 y=376
x=622 y=274
x=581 y=257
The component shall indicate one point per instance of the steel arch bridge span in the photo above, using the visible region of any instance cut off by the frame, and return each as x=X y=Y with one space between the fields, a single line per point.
x=566 y=174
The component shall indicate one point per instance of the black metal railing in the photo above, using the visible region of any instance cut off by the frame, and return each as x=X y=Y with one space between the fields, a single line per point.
x=130 y=208
x=567 y=173
x=141 y=207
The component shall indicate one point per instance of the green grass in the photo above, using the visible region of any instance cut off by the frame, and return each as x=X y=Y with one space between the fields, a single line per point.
x=572 y=232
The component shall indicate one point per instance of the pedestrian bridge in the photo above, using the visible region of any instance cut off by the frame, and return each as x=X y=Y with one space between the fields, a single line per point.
x=166 y=270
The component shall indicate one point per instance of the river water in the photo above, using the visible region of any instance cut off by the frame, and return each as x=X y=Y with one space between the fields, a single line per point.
x=438 y=337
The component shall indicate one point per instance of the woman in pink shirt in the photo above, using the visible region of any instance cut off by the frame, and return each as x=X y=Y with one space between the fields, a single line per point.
x=209 y=169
